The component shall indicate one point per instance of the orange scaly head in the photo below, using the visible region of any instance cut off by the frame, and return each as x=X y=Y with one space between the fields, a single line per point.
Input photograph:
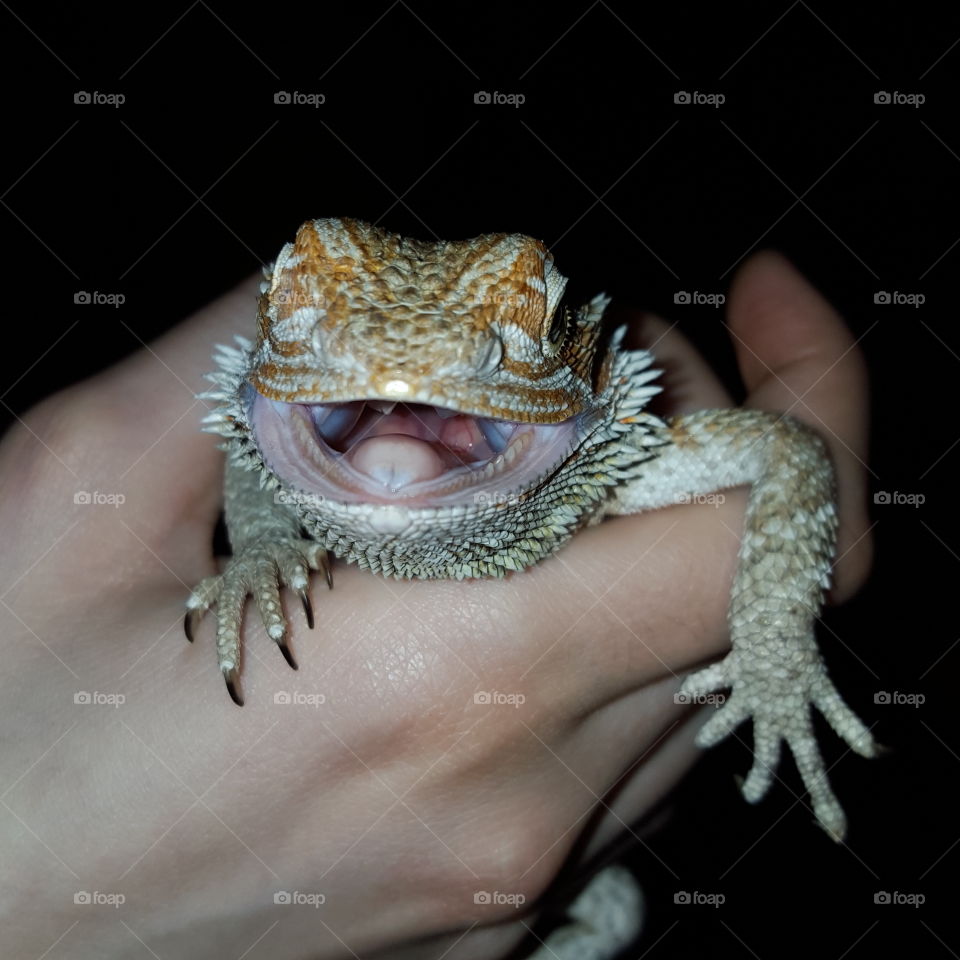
x=353 y=312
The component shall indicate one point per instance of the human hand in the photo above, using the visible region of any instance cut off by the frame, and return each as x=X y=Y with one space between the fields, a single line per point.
x=400 y=796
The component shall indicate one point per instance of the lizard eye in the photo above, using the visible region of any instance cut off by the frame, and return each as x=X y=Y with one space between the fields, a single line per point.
x=558 y=328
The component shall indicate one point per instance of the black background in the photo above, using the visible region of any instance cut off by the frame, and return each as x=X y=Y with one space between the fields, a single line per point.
x=176 y=195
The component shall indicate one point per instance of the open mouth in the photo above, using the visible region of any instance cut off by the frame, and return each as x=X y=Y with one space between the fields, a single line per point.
x=414 y=454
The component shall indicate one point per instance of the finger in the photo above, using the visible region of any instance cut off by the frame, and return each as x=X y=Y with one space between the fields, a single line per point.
x=796 y=355
x=689 y=382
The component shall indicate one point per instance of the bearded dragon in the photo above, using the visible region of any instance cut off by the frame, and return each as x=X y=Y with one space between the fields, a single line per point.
x=434 y=410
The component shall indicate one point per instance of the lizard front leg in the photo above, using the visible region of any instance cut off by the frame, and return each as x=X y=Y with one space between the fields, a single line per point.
x=268 y=552
x=775 y=670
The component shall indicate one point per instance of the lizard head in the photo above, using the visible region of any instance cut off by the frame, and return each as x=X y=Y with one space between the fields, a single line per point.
x=352 y=312
x=391 y=370
x=410 y=386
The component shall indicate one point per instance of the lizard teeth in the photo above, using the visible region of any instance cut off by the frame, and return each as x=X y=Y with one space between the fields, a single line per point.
x=383 y=406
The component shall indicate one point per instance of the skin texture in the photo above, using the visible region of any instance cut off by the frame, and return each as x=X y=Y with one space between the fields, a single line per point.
x=399 y=797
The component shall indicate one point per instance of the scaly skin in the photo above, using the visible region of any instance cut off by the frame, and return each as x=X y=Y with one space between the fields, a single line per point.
x=350 y=312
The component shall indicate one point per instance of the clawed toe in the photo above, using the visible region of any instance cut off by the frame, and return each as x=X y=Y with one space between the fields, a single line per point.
x=779 y=706
x=260 y=569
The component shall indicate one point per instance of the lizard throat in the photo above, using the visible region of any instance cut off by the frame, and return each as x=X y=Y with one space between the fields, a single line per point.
x=381 y=452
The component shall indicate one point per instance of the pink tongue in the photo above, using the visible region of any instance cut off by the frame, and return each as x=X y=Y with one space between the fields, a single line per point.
x=396 y=460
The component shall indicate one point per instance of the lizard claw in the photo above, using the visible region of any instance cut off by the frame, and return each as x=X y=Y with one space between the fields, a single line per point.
x=231 y=678
x=307 y=606
x=287 y=655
